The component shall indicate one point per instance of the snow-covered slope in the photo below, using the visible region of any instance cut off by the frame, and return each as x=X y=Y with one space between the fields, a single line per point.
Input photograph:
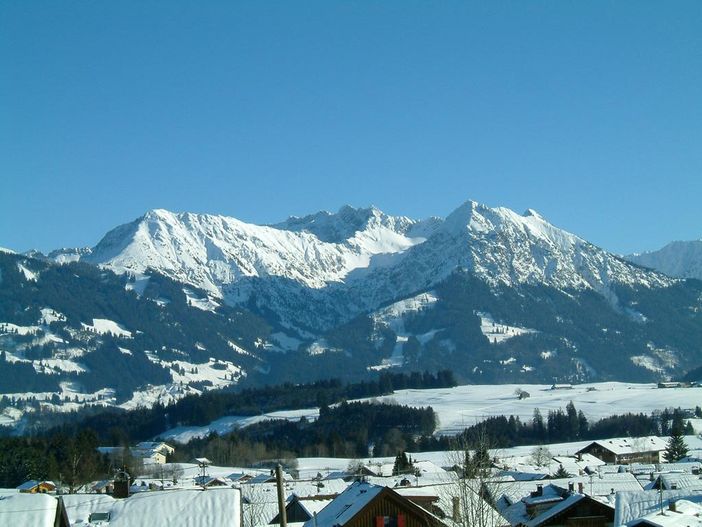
x=211 y=252
x=680 y=259
x=358 y=259
x=501 y=246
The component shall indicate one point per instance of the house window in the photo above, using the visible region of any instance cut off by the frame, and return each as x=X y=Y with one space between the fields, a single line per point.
x=390 y=521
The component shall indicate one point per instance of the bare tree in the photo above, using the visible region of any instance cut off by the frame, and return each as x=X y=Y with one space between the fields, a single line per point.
x=470 y=496
x=257 y=502
x=541 y=456
x=174 y=471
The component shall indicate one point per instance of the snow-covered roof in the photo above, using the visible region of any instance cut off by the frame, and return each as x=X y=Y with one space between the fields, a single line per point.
x=347 y=504
x=28 y=510
x=28 y=485
x=686 y=514
x=634 y=505
x=158 y=446
x=267 y=477
x=595 y=485
x=678 y=467
x=631 y=445
x=79 y=507
x=168 y=508
x=556 y=509
x=313 y=504
x=603 y=484
x=678 y=480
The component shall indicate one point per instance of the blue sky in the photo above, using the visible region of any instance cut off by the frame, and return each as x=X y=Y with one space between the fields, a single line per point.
x=589 y=112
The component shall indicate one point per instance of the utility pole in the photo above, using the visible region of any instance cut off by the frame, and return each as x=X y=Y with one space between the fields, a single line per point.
x=281 y=496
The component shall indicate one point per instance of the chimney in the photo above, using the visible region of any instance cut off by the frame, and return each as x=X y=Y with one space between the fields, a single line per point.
x=672 y=506
x=571 y=486
x=539 y=490
x=456 y=512
x=581 y=487
x=121 y=485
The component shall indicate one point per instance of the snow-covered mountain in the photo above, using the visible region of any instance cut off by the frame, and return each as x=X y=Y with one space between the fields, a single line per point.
x=212 y=252
x=178 y=303
x=356 y=260
x=680 y=259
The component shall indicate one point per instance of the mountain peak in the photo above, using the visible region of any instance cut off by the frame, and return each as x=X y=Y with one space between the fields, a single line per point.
x=532 y=213
x=342 y=225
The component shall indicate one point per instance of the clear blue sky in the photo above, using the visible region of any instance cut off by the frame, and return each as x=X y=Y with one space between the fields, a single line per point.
x=589 y=112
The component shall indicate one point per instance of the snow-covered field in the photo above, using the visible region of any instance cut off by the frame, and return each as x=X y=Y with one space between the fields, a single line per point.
x=463 y=406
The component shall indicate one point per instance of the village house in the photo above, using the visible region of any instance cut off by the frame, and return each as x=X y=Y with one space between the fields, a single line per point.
x=366 y=505
x=627 y=450
x=300 y=509
x=149 y=452
x=576 y=510
x=37 y=487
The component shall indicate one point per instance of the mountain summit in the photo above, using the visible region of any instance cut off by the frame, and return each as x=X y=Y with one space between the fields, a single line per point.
x=356 y=260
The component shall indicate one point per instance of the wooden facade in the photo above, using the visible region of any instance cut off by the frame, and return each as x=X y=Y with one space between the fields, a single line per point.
x=389 y=509
x=587 y=512
x=608 y=456
x=41 y=487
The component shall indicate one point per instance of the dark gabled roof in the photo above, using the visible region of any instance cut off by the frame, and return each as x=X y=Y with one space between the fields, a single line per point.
x=562 y=507
x=347 y=505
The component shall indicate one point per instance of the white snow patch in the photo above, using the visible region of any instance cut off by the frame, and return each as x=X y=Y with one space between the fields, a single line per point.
x=65 y=365
x=205 y=304
x=318 y=347
x=7 y=327
x=104 y=326
x=30 y=276
x=285 y=342
x=49 y=315
x=138 y=283
x=238 y=349
x=393 y=316
x=183 y=434
x=498 y=333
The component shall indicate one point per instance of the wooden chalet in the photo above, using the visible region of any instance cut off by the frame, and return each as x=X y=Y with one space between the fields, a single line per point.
x=37 y=487
x=577 y=510
x=627 y=450
x=366 y=505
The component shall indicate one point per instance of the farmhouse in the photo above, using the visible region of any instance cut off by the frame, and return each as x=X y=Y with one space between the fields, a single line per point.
x=626 y=450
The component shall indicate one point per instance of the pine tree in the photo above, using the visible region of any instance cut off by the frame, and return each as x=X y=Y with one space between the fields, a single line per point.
x=403 y=464
x=561 y=473
x=676 y=448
